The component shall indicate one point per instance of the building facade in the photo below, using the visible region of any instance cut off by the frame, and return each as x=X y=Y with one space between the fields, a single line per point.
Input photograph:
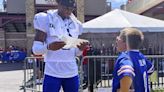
x=13 y=19
x=151 y=8
x=154 y=9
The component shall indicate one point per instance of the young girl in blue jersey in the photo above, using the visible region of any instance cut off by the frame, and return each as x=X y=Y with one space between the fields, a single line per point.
x=131 y=67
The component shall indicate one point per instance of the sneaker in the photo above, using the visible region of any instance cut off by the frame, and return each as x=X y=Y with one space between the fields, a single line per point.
x=39 y=81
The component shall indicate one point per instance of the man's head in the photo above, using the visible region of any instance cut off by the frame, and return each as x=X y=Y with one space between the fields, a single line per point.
x=129 y=38
x=66 y=7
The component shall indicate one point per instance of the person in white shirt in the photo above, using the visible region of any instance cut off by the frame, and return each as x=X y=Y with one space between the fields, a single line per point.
x=60 y=64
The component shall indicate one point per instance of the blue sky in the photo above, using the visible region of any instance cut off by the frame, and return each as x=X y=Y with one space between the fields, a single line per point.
x=117 y=3
x=1 y=1
x=1 y=4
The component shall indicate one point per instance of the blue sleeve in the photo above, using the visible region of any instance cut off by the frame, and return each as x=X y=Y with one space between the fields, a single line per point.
x=125 y=69
x=150 y=67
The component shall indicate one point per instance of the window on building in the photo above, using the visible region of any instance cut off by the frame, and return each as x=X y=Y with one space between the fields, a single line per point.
x=13 y=25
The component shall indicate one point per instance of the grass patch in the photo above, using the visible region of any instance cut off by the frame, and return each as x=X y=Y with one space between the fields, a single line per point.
x=157 y=90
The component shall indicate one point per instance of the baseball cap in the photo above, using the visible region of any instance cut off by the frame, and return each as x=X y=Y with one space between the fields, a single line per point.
x=67 y=3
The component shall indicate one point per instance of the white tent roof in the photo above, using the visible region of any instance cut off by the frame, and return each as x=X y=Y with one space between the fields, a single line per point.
x=118 y=19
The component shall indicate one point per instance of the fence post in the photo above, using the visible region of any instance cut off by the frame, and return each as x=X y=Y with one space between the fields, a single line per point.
x=24 y=67
x=34 y=75
x=81 y=75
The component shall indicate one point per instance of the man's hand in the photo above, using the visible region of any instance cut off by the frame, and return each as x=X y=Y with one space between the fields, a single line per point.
x=56 y=45
x=83 y=45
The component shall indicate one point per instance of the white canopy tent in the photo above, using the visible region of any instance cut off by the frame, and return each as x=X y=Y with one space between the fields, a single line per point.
x=118 y=19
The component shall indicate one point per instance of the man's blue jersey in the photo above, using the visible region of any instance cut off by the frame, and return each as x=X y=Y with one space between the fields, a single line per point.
x=134 y=65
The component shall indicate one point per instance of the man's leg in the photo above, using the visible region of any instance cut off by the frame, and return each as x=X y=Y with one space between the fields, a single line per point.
x=71 y=84
x=51 y=84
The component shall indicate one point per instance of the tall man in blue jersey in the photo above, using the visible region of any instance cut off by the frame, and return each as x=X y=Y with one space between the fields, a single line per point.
x=131 y=68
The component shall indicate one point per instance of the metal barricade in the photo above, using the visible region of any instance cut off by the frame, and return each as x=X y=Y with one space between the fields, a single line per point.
x=98 y=77
x=33 y=74
x=157 y=82
x=99 y=73
x=100 y=68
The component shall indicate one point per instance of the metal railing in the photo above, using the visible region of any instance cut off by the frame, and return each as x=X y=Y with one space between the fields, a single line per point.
x=96 y=75
x=99 y=74
x=33 y=74
x=102 y=75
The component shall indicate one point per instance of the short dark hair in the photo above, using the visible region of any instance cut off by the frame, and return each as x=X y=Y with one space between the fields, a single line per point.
x=133 y=37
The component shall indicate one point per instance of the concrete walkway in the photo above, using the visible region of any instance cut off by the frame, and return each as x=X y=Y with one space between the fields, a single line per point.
x=11 y=77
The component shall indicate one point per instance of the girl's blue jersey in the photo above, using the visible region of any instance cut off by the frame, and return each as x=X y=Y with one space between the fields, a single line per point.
x=134 y=65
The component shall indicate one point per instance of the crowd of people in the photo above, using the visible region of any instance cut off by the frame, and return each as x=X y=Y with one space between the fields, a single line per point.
x=12 y=54
x=150 y=50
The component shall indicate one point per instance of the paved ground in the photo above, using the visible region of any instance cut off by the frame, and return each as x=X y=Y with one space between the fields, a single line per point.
x=11 y=77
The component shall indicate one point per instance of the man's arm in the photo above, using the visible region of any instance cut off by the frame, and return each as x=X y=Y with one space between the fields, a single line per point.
x=125 y=84
x=40 y=36
x=39 y=46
